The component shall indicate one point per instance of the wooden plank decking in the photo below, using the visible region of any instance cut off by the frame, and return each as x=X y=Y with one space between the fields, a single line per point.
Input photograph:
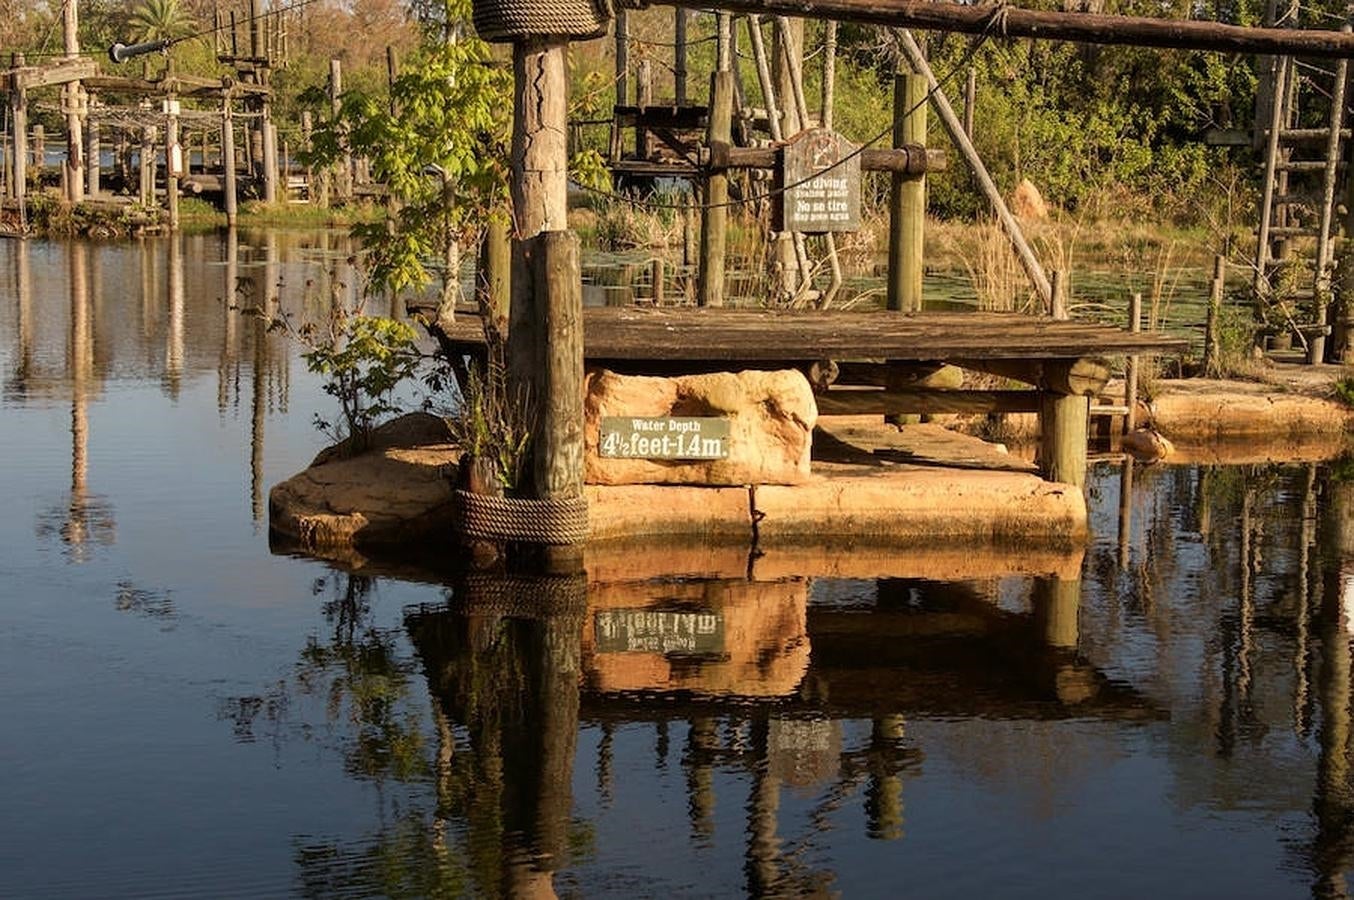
x=696 y=335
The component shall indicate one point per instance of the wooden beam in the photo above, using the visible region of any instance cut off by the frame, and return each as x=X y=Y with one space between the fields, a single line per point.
x=920 y=400
x=1088 y=28
x=63 y=72
x=909 y=160
x=1084 y=376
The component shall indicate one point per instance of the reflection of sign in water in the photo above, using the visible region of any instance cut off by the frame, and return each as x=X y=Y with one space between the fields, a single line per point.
x=829 y=201
x=658 y=631
x=665 y=437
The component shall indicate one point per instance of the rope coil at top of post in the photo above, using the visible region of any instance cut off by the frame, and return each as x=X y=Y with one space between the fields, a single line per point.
x=503 y=21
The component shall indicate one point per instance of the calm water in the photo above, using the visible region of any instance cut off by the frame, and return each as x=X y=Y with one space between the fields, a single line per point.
x=186 y=714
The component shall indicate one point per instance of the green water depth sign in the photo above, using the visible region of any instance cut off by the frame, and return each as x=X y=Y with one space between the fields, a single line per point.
x=664 y=437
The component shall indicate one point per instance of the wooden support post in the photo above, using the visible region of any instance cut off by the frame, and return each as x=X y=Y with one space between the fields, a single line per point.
x=345 y=166
x=39 y=151
x=656 y=280
x=269 y=161
x=970 y=100
x=644 y=87
x=715 y=217
x=907 y=200
x=1063 y=420
x=1131 y=370
x=494 y=285
x=829 y=73
x=679 y=55
x=231 y=192
x=1212 y=338
x=75 y=143
x=92 y=174
x=1057 y=304
x=1260 y=276
x=173 y=161
x=18 y=111
x=622 y=56
x=723 y=41
x=955 y=129
x=147 y=160
x=545 y=338
x=1316 y=350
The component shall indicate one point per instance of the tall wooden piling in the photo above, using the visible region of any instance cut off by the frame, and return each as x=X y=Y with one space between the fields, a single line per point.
x=173 y=161
x=545 y=339
x=147 y=165
x=92 y=174
x=18 y=112
x=1063 y=421
x=70 y=93
x=269 y=162
x=345 y=165
x=231 y=192
x=715 y=218
x=907 y=199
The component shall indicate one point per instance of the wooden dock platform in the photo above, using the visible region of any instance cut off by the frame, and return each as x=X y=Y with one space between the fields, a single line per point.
x=874 y=363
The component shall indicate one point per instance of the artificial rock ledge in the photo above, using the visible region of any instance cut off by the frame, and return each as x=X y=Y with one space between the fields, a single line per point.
x=400 y=494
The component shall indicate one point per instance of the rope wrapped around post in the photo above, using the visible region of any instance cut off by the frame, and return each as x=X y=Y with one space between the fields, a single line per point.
x=504 y=21
x=559 y=521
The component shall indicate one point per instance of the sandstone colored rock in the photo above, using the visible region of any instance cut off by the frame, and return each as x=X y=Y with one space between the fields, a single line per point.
x=771 y=415
x=388 y=495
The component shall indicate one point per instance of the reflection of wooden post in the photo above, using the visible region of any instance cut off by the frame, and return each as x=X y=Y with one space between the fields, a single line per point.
x=763 y=852
x=1056 y=602
x=231 y=192
x=907 y=200
x=1125 y=512
x=174 y=329
x=715 y=218
x=884 y=795
x=702 y=741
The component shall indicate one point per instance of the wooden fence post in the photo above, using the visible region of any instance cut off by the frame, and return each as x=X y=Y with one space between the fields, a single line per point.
x=679 y=56
x=1131 y=369
x=907 y=200
x=173 y=161
x=92 y=174
x=1212 y=339
x=715 y=216
x=147 y=161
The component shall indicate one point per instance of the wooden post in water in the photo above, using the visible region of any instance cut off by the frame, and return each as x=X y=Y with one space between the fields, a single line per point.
x=147 y=160
x=907 y=199
x=231 y=192
x=18 y=112
x=1063 y=423
x=173 y=161
x=715 y=217
x=92 y=180
x=1212 y=339
x=70 y=94
x=545 y=338
x=1131 y=368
